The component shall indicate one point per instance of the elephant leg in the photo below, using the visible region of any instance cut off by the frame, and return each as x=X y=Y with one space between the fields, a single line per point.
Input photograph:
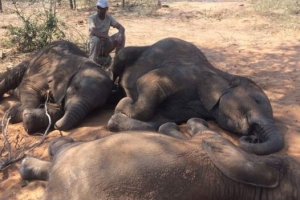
x=172 y=130
x=27 y=101
x=12 y=78
x=57 y=143
x=196 y=126
x=152 y=89
x=121 y=122
x=30 y=97
x=34 y=169
x=35 y=119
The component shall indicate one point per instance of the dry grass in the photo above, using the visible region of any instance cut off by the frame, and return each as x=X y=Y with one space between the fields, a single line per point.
x=284 y=13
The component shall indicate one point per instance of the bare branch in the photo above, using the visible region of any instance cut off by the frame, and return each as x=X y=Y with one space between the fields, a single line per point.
x=9 y=160
x=4 y=132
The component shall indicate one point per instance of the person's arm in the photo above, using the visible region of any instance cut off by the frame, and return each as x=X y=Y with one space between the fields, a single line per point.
x=120 y=28
x=121 y=35
x=94 y=31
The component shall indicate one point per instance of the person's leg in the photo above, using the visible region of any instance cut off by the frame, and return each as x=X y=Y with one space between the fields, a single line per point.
x=100 y=47
x=95 y=48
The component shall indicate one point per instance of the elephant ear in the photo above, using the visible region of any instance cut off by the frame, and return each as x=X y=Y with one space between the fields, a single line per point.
x=238 y=165
x=211 y=87
x=59 y=79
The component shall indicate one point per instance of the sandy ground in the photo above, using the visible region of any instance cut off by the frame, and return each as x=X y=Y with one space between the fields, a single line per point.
x=231 y=35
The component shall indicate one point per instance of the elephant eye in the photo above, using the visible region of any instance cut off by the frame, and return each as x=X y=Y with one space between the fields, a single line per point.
x=257 y=101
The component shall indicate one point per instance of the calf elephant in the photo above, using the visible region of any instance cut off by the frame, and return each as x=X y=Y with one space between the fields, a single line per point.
x=61 y=73
x=148 y=165
x=172 y=81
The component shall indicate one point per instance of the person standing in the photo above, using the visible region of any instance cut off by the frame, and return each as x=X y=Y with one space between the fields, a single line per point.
x=101 y=44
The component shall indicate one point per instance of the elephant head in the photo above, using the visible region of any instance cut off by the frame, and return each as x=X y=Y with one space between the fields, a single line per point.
x=240 y=106
x=79 y=90
x=150 y=165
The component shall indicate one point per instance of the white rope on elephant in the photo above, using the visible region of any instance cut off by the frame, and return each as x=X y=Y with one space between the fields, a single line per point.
x=47 y=129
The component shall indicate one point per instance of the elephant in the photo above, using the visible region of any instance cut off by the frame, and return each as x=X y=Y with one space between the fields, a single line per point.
x=61 y=75
x=173 y=81
x=166 y=165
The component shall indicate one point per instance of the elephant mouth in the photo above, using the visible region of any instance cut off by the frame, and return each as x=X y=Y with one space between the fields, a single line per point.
x=253 y=133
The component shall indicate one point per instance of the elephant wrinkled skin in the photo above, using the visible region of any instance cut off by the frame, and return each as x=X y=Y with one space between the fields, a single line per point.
x=172 y=81
x=147 y=165
x=61 y=73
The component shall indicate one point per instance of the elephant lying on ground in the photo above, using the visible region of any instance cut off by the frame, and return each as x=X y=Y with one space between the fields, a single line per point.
x=62 y=73
x=172 y=81
x=148 y=165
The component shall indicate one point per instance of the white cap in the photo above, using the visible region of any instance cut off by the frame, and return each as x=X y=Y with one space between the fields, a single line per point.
x=102 y=3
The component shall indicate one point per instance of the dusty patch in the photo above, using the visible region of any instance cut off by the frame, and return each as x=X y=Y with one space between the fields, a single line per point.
x=231 y=35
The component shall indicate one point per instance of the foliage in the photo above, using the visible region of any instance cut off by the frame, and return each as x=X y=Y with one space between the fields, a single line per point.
x=39 y=29
x=1 y=6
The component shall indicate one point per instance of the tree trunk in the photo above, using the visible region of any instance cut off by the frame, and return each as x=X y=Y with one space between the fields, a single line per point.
x=1 y=6
x=71 y=4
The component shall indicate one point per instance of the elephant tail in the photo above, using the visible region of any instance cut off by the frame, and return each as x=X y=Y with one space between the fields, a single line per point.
x=12 y=78
x=270 y=140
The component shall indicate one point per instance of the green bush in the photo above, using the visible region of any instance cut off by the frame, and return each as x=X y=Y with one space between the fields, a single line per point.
x=38 y=30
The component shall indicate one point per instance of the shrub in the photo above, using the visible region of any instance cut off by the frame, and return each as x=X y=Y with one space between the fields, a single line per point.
x=39 y=29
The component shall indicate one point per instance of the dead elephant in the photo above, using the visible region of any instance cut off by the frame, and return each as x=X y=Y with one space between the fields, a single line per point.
x=148 y=165
x=61 y=73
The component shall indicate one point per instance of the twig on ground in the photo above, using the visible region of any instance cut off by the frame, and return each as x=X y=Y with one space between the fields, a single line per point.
x=7 y=145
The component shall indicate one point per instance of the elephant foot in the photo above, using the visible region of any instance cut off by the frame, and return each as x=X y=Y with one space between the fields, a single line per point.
x=34 y=169
x=172 y=130
x=34 y=120
x=196 y=125
x=121 y=122
x=124 y=106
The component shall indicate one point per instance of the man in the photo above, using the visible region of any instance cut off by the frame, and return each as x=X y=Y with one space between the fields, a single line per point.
x=101 y=44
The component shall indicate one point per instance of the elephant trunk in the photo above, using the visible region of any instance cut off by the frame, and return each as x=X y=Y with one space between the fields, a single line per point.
x=72 y=116
x=270 y=139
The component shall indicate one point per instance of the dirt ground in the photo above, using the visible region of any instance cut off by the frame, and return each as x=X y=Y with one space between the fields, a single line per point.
x=232 y=36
